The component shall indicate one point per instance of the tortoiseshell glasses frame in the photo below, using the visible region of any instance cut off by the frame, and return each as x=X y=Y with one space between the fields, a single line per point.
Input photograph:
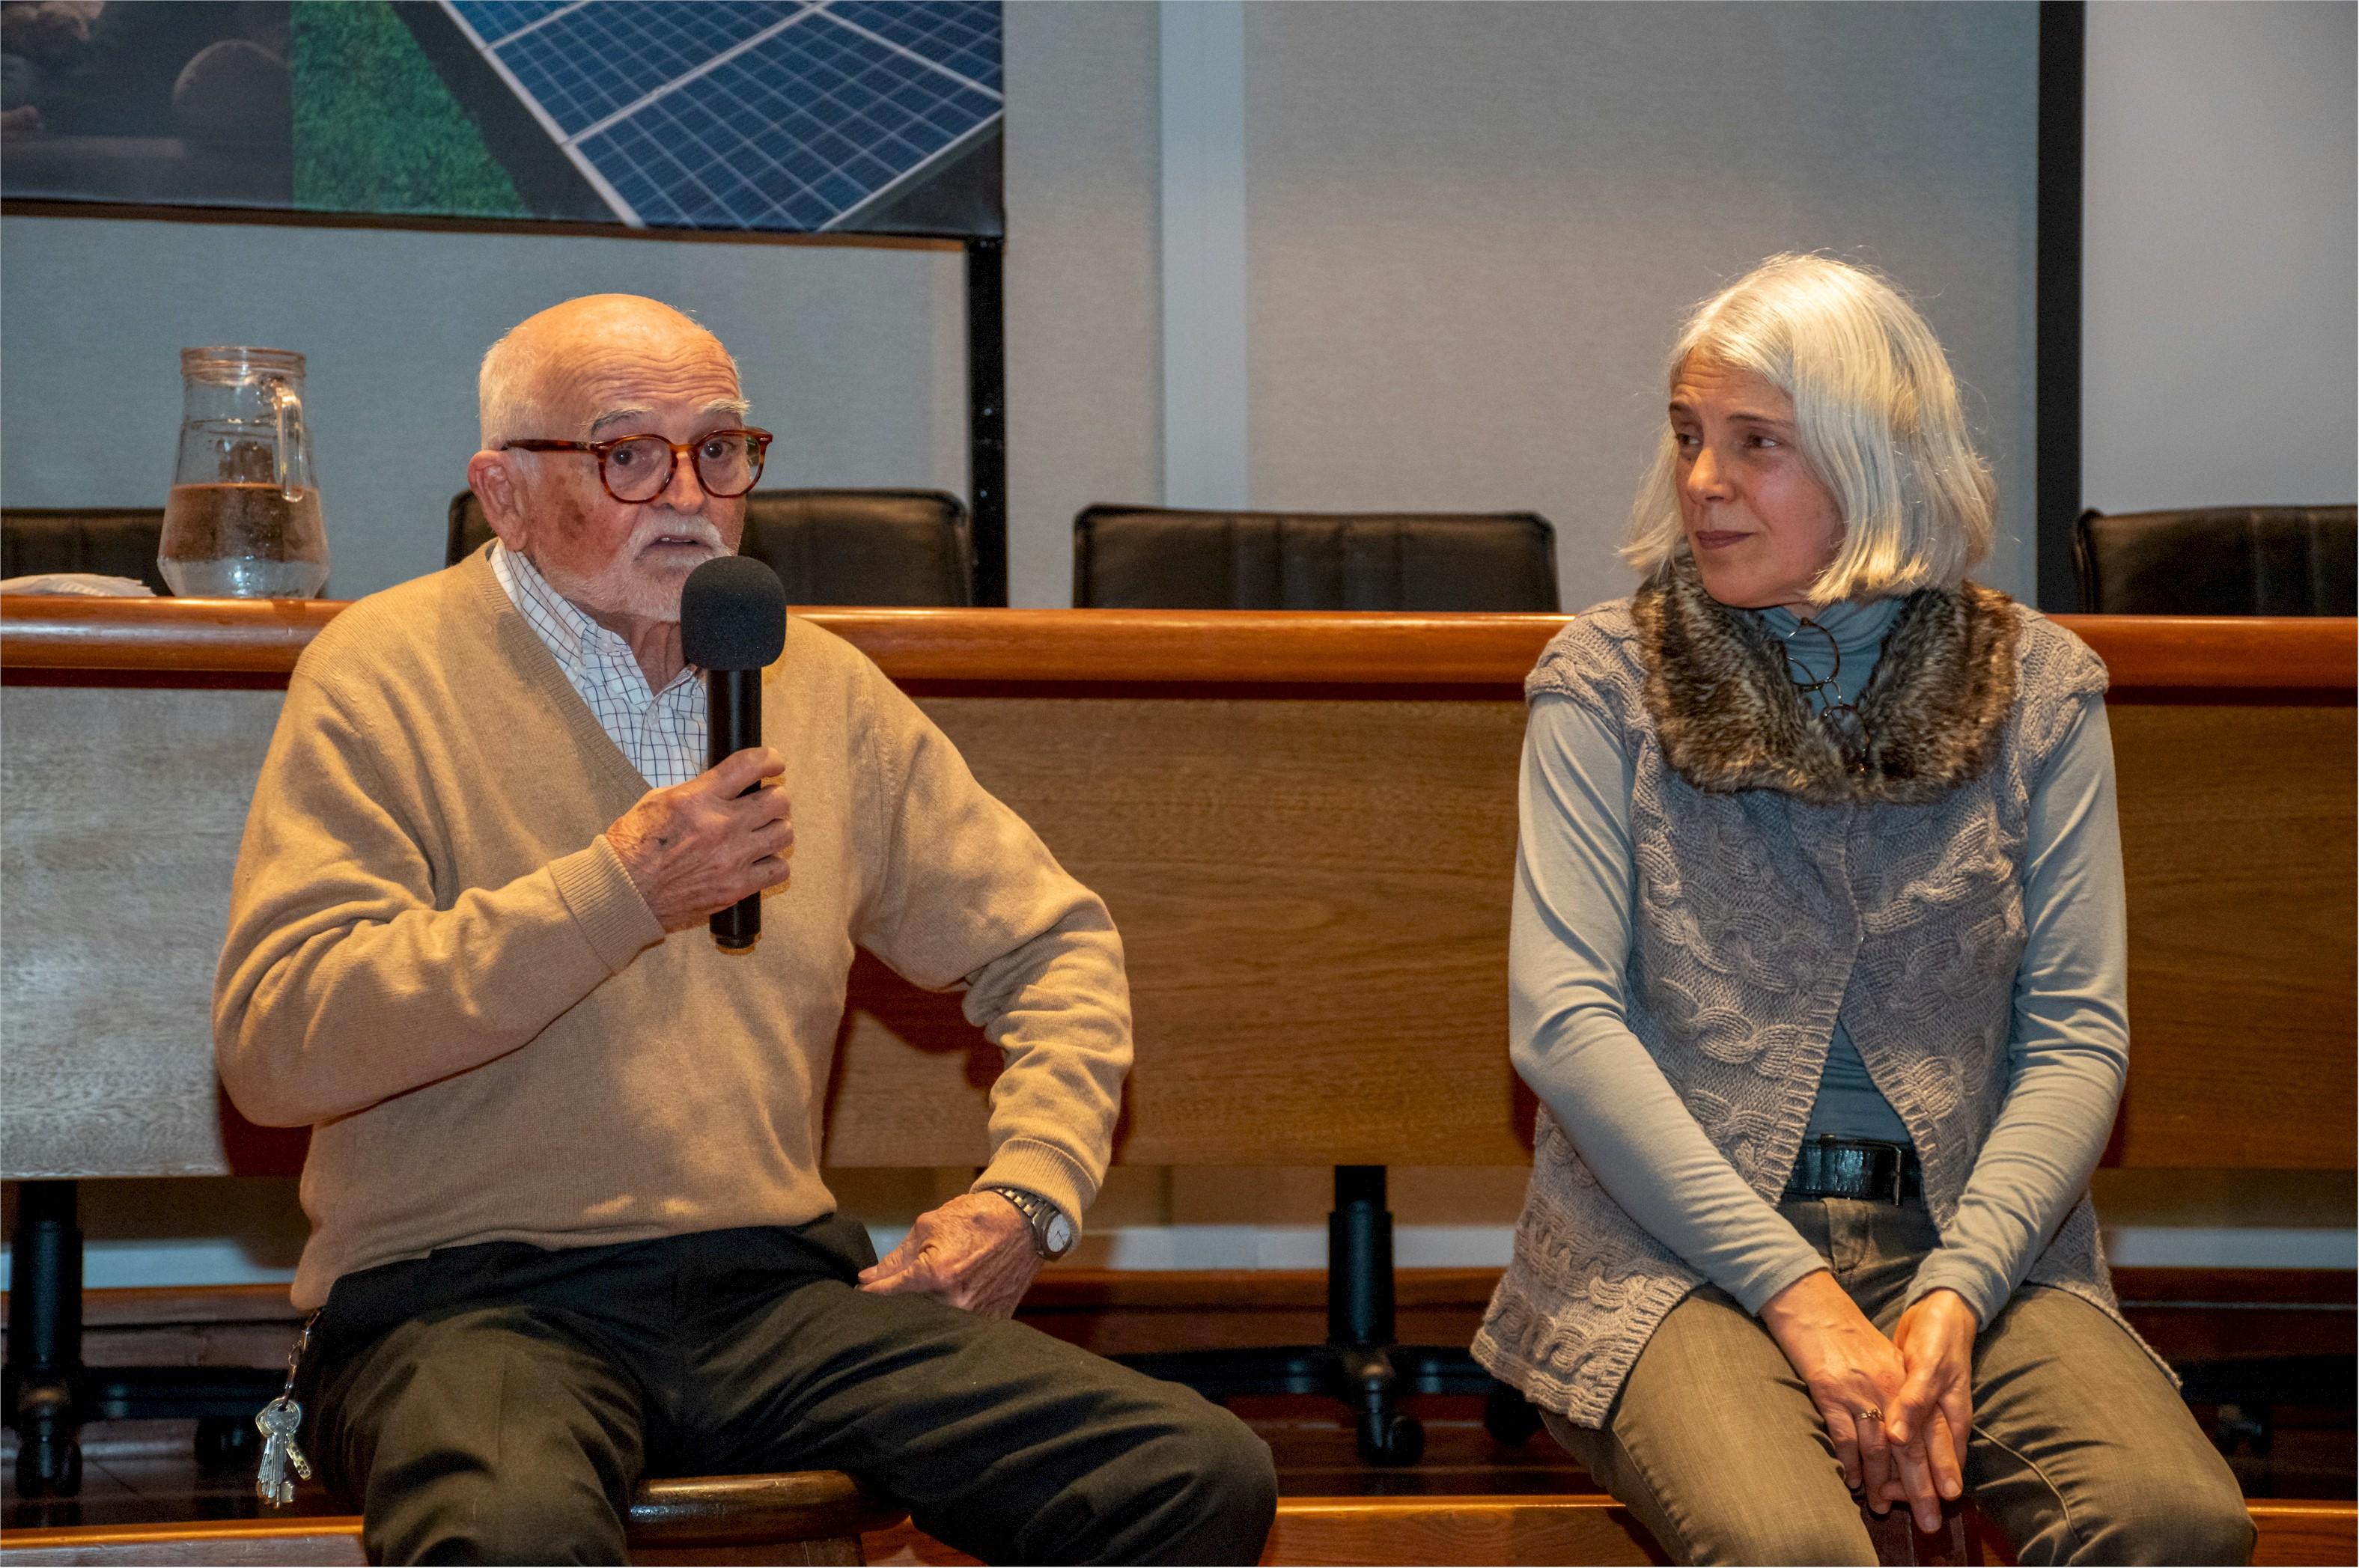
x=728 y=463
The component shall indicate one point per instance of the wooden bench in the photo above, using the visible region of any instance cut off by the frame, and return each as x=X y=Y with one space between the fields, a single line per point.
x=804 y=1517
x=1310 y=1530
x=1304 y=824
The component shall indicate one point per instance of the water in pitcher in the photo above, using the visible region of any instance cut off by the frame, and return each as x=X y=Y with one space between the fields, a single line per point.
x=243 y=541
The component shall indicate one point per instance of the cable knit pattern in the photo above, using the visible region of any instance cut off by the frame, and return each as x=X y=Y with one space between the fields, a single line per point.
x=1783 y=884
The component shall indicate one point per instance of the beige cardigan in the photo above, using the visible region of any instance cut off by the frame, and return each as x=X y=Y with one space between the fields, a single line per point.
x=435 y=958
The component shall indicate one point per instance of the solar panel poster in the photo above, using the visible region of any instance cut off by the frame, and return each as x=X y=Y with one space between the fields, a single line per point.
x=790 y=117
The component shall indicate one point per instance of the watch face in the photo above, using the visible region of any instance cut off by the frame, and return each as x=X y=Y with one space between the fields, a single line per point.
x=1061 y=1233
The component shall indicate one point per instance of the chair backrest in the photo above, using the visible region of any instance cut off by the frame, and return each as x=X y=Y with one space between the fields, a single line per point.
x=829 y=547
x=2219 y=561
x=1151 y=558
x=116 y=541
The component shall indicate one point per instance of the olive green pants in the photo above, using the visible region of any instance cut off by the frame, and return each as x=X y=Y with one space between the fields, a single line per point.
x=2082 y=1451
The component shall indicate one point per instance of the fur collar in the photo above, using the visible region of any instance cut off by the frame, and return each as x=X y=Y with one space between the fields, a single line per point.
x=1730 y=720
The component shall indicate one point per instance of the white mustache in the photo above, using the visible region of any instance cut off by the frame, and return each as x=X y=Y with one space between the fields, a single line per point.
x=697 y=528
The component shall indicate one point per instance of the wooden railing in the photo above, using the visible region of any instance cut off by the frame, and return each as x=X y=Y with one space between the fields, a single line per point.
x=1304 y=825
x=184 y=637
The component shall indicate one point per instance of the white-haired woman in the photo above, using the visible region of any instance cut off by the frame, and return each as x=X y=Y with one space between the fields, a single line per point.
x=1817 y=969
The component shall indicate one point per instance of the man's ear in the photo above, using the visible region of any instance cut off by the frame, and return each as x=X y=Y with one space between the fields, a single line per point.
x=493 y=477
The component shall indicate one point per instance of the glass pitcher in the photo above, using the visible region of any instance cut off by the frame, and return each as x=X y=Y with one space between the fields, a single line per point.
x=244 y=517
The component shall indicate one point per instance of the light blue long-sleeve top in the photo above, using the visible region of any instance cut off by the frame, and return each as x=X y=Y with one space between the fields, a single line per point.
x=1569 y=954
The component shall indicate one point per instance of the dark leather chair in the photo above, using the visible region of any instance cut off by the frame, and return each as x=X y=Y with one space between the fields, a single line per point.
x=2219 y=561
x=1148 y=557
x=829 y=547
x=1145 y=557
x=116 y=541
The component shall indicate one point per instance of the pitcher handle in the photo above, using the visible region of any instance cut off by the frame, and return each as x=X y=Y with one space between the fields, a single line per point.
x=293 y=447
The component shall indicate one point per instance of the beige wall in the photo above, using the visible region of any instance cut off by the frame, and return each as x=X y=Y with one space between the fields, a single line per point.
x=1473 y=228
x=1084 y=339
x=2220 y=283
x=855 y=356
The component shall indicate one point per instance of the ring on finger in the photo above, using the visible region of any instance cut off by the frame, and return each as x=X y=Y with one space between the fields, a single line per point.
x=1870 y=1413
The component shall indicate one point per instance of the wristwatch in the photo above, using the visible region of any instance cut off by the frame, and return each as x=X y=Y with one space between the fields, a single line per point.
x=1053 y=1233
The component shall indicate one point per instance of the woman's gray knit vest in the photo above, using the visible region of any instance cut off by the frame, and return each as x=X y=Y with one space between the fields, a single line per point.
x=1783 y=884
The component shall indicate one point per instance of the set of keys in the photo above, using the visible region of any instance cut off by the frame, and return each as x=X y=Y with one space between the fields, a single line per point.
x=278 y=1422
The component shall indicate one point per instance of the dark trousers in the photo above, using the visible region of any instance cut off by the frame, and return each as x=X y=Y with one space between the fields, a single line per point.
x=495 y=1403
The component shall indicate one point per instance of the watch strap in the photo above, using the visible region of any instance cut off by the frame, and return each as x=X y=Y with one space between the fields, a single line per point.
x=1038 y=1212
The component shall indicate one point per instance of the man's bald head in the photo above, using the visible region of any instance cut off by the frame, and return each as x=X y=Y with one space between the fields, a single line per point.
x=557 y=372
x=608 y=367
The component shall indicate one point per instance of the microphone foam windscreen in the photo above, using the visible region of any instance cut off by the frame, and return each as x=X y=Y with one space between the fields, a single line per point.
x=732 y=616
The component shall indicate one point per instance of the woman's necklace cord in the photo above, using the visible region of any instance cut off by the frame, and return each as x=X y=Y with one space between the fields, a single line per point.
x=1839 y=715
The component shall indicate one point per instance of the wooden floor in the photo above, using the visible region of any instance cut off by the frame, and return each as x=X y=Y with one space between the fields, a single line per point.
x=1468 y=1499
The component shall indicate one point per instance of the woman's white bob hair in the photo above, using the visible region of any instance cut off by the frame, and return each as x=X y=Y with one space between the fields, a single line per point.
x=1875 y=412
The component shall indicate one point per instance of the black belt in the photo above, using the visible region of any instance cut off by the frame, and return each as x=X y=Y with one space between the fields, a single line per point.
x=1830 y=1167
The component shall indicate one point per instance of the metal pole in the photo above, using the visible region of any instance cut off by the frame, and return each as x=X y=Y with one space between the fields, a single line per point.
x=2064 y=27
x=1360 y=1259
x=986 y=417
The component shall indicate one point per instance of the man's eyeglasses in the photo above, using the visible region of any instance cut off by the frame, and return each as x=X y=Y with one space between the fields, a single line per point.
x=639 y=468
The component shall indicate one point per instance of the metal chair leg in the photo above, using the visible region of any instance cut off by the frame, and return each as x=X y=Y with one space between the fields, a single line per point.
x=1360 y=1316
x=45 y=1341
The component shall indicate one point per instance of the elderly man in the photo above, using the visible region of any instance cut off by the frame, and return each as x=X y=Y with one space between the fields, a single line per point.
x=568 y=1225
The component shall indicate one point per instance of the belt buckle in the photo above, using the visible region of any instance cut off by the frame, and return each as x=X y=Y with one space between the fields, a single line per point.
x=1830 y=1177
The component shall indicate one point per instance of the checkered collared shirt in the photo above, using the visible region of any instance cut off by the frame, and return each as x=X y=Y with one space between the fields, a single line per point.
x=662 y=732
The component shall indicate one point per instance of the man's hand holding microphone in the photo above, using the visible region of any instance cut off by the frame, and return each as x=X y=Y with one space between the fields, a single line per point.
x=699 y=848
x=707 y=849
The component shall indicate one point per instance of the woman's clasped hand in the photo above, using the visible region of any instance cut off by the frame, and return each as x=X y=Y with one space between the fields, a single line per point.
x=1898 y=1410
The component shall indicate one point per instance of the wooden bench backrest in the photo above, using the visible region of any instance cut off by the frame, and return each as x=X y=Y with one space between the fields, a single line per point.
x=1308 y=859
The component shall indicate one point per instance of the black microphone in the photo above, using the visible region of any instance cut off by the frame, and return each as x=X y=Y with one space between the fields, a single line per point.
x=733 y=624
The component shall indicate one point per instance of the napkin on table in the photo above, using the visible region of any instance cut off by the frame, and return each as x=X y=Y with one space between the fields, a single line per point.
x=91 y=583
